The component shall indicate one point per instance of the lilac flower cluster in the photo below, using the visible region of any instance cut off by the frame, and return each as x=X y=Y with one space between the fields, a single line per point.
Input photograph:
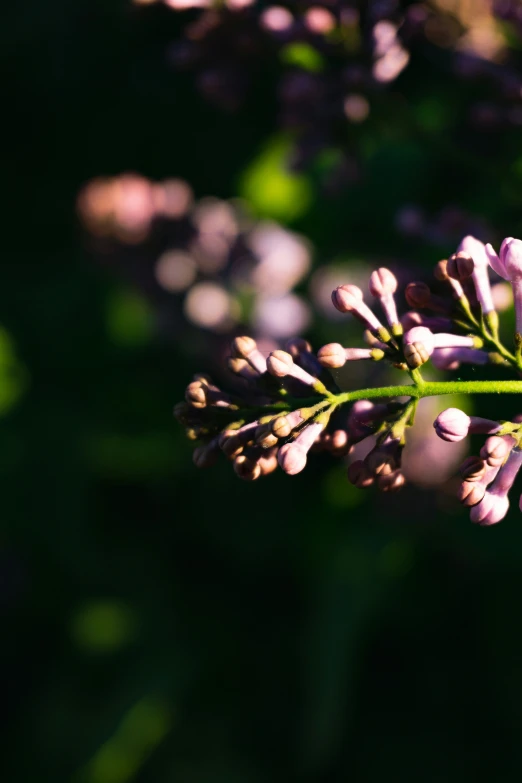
x=287 y=404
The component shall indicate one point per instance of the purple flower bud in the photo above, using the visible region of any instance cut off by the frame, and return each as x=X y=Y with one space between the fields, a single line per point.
x=494 y=505
x=246 y=348
x=473 y=469
x=477 y=250
x=442 y=274
x=301 y=352
x=292 y=456
x=490 y=510
x=418 y=345
x=385 y=458
x=362 y=414
x=418 y=294
x=496 y=448
x=332 y=355
x=460 y=266
x=452 y=425
x=281 y=364
x=436 y=323
x=451 y=358
x=383 y=285
x=242 y=368
x=349 y=299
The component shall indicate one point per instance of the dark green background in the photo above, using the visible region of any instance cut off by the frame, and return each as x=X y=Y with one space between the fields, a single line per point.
x=164 y=624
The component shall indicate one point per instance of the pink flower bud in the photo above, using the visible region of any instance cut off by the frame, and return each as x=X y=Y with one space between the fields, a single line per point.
x=383 y=285
x=301 y=352
x=496 y=449
x=292 y=456
x=349 y=299
x=332 y=355
x=244 y=347
x=490 y=510
x=418 y=345
x=451 y=358
x=460 y=266
x=418 y=294
x=339 y=443
x=477 y=250
x=452 y=425
x=473 y=469
x=280 y=364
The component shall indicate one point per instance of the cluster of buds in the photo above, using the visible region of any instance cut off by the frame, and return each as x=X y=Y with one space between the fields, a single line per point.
x=288 y=403
x=488 y=477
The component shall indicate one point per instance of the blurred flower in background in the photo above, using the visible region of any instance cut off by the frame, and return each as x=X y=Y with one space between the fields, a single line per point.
x=205 y=261
x=331 y=64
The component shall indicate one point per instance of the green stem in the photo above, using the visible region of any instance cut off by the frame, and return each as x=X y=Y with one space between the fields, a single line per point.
x=433 y=389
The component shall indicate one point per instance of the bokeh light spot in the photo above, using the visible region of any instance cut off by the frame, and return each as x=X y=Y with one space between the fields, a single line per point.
x=271 y=188
x=129 y=319
x=103 y=626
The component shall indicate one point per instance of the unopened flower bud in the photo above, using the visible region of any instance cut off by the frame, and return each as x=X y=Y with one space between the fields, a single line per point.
x=242 y=368
x=349 y=299
x=460 y=266
x=195 y=394
x=452 y=425
x=339 y=443
x=264 y=436
x=471 y=492
x=416 y=354
x=246 y=348
x=292 y=456
x=417 y=294
x=268 y=462
x=232 y=442
x=495 y=449
x=383 y=285
x=332 y=355
x=392 y=482
x=282 y=426
x=385 y=458
x=281 y=364
x=246 y=469
x=473 y=469
x=490 y=510
x=359 y=475
x=382 y=282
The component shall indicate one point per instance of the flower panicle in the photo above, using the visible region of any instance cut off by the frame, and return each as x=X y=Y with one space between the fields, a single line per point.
x=286 y=404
